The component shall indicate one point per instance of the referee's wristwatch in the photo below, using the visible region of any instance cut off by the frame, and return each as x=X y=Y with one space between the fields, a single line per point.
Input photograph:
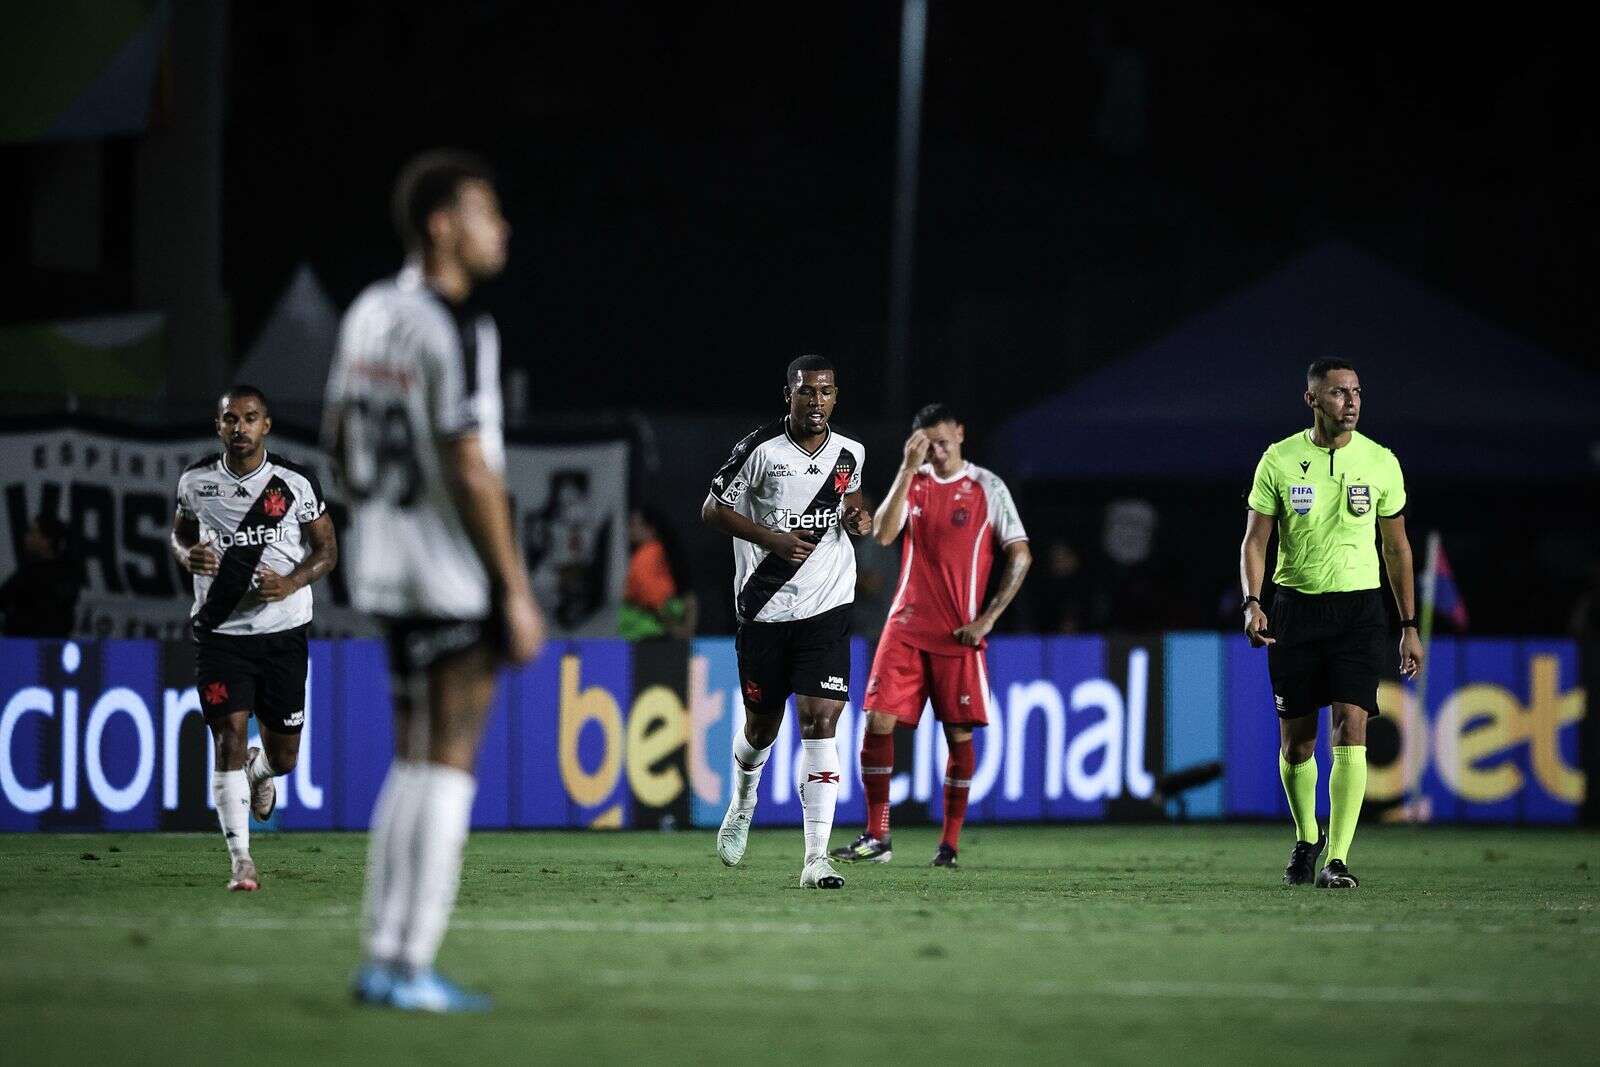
x=1411 y=623
x=1248 y=601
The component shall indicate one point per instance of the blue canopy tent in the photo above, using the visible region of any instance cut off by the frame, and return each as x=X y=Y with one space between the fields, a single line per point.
x=1454 y=395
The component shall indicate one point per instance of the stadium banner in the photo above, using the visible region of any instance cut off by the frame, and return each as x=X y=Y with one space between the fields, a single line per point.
x=116 y=494
x=598 y=733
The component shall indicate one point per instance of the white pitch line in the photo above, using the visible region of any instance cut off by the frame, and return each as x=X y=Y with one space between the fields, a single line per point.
x=1142 y=990
x=332 y=922
x=210 y=974
x=497 y=926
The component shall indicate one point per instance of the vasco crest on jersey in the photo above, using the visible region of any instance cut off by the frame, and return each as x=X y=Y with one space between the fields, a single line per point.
x=841 y=477
x=274 y=504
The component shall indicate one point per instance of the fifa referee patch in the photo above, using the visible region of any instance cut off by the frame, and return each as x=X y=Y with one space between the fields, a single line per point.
x=1301 y=498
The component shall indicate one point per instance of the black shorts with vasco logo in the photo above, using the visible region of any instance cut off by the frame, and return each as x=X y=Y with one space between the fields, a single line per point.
x=1330 y=649
x=806 y=657
x=260 y=673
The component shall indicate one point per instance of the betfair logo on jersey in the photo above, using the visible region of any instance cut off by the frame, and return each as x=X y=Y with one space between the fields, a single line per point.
x=784 y=519
x=255 y=535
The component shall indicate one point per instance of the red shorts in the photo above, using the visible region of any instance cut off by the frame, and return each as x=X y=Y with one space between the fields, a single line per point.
x=904 y=677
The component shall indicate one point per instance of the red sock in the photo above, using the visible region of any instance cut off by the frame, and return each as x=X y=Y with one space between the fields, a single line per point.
x=957 y=783
x=877 y=764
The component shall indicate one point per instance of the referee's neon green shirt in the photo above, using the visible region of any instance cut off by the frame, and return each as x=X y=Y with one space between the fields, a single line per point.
x=1327 y=503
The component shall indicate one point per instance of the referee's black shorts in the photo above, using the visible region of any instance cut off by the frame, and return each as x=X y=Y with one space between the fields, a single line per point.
x=1330 y=649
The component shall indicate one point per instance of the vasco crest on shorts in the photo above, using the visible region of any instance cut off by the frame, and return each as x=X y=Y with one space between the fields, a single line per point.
x=1360 y=498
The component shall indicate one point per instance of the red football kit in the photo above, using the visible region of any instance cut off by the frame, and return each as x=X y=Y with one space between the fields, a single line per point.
x=953 y=526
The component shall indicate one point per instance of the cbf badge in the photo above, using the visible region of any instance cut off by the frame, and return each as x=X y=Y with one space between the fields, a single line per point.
x=1301 y=498
x=1360 y=497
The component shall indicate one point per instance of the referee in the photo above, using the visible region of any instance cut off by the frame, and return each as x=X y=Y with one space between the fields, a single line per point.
x=1326 y=488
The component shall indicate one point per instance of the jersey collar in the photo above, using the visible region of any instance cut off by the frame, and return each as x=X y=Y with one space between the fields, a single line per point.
x=809 y=455
x=966 y=469
x=222 y=462
x=1306 y=436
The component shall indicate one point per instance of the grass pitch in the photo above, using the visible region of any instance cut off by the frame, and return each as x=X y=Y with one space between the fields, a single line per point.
x=1093 y=944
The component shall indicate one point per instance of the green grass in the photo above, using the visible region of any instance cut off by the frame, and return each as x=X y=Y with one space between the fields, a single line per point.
x=1084 y=944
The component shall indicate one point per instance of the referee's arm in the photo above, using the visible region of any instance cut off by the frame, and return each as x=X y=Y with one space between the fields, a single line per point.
x=1397 y=561
x=1252 y=572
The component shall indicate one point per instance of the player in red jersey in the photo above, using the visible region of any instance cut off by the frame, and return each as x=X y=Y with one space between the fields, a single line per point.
x=955 y=515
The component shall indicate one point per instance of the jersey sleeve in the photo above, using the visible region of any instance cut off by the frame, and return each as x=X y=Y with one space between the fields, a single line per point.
x=334 y=391
x=1263 y=497
x=743 y=469
x=1392 y=494
x=312 y=504
x=457 y=399
x=1003 y=517
x=186 y=508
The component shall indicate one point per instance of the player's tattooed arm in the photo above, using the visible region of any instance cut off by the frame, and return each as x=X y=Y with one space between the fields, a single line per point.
x=1018 y=559
x=857 y=514
x=793 y=547
x=191 y=555
x=323 y=557
x=891 y=516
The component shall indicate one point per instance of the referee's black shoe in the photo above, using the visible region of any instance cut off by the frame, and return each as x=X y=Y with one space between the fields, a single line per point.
x=1337 y=876
x=1302 y=869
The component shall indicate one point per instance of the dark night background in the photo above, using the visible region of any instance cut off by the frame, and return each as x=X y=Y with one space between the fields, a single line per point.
x=701 y=192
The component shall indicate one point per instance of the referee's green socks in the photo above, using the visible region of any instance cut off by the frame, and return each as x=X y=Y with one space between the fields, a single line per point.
x=1347 y=786
x=1300 y=786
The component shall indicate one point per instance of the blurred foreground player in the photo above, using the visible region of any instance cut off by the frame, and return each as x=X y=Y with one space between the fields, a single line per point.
x=1325 y=489
x=786 y=496
x=954 y=514
x=254 y=532
x=414 y=418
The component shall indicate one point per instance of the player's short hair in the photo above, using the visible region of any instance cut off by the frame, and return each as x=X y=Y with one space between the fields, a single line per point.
x=805 y=363
x=932 y=415
x=429 y=182
x=1320 y=369
x=243 y=389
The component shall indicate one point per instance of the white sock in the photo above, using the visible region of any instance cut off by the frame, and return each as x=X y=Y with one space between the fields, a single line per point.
x=441 y=835
x=748 y=761
x=231 y=791
x=259 y=768
x=819 y=790
x=391 y=861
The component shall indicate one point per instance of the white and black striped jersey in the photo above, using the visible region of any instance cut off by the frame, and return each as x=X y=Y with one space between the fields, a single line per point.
x=413 y=370
x=249 y=522
x=775 y=483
